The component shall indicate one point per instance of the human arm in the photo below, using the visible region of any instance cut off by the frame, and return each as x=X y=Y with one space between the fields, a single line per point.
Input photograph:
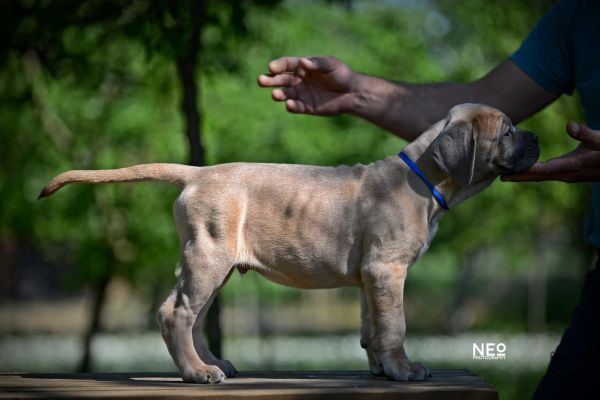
x=326 y=86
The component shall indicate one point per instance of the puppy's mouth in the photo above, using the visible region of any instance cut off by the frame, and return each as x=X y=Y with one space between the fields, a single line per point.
x=522 y=160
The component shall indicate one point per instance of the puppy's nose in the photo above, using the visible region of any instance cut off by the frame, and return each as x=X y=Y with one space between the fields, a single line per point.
x=531 y=137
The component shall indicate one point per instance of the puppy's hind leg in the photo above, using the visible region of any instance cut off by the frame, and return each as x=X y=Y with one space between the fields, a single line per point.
x=199 y=280
x=200 y=343
x=366 y=335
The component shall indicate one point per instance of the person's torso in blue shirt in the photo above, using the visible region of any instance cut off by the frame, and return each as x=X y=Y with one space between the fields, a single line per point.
x=562 y=54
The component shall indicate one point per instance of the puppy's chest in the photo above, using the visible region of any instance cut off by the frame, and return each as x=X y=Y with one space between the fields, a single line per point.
x=405 y=246
x=433 y=227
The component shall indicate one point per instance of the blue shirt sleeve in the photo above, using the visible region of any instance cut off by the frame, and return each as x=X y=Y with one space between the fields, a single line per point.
x=546 y=54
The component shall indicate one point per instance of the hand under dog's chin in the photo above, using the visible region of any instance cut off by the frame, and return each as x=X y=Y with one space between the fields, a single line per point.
x=523 y=162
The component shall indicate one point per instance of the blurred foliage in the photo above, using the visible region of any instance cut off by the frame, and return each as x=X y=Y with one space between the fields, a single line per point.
x=95 y=88
x=511 y=383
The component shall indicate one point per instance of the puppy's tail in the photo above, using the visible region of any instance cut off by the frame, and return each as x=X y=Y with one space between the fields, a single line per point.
x=173 y=173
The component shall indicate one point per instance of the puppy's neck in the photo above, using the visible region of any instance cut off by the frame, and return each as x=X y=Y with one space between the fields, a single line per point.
x=420 y=152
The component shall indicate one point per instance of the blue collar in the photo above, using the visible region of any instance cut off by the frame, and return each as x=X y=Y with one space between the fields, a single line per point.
x=436 y=193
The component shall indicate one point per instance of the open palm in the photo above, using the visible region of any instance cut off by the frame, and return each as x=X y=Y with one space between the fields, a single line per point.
x=316 y=85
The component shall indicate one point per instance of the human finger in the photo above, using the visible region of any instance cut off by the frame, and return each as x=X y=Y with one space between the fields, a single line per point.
x=285 y=93
x=589 y=137
x=277 y=80
x=283 y=64
x=323 y=64
x=295 y=106
x=534 y=173
x=565 y=168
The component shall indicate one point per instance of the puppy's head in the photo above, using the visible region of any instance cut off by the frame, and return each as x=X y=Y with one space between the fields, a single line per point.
x=478 y=143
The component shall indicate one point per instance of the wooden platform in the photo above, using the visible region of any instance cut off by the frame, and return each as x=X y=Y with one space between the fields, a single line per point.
x=445 y=384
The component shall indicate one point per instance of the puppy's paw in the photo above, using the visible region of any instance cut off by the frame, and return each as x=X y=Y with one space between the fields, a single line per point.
x=227 y=367
x=377 y=370
x=374 y=364
x=401 y=374
x=406 y=370
x=206 y=374
x=418 y=371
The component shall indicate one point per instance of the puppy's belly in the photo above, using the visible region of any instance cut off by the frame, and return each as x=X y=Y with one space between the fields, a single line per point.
x=301 y=255
x=302 y=276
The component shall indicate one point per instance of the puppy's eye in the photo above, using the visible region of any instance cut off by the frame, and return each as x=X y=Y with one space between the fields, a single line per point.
x=508 y=133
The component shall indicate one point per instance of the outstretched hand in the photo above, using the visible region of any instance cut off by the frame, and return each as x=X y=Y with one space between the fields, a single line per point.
x=314 y=85
x=582 y=164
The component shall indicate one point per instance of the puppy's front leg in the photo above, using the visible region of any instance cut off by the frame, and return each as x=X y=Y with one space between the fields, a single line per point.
x=384 y=290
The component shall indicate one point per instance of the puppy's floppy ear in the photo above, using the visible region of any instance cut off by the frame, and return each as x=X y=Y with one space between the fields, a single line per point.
x=454 y=151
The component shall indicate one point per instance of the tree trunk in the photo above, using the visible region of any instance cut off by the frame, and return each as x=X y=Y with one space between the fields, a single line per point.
x=97 y=306
x=186 y=67
x=456 y=316
x=187 y=64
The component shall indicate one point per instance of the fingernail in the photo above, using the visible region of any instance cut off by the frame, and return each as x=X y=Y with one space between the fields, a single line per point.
x=307 y=62
x=573 y=127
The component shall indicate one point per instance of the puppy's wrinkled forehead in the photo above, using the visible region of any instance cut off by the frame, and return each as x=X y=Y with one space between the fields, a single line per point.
x=487 y=121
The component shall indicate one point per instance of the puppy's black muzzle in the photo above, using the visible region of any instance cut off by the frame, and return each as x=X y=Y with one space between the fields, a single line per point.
x=525 y=155
x=531 y=147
